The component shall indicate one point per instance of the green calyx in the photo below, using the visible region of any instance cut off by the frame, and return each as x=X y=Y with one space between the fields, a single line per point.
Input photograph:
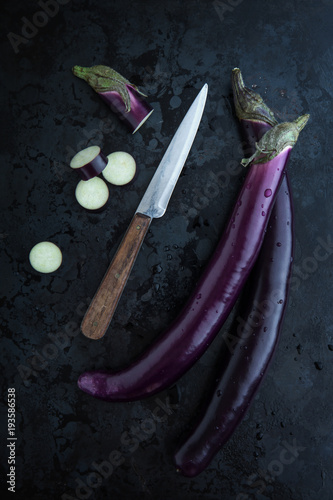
x=104 y=79
x=249 y=105
x=276 y=139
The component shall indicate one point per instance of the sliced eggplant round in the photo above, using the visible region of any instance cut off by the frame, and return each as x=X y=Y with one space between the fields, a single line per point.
x=92 y=194
x=89 y=162
x=121 y=168
x=45 y=257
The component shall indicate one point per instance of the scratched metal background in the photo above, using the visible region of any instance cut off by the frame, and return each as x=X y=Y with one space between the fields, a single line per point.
x=169 y=49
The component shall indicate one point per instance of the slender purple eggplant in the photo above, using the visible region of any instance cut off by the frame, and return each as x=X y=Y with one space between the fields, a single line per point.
x=251 y=351
x=190 y=334
x=124 y=98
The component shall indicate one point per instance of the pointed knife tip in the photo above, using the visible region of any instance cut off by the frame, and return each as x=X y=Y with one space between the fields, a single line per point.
x=204 y=90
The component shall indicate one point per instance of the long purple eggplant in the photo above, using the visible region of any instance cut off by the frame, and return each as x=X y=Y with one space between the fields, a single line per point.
x=190 y=334
x=262 y=314
x=123 y=97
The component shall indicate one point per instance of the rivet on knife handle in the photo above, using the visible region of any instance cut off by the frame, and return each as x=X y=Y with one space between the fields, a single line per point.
x=99 y=314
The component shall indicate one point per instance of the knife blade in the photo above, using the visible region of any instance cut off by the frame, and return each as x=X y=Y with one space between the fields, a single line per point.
x=153 y=205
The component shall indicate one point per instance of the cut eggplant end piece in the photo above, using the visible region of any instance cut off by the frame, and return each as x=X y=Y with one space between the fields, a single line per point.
x=143 y=121
x=45 y=257
x=89 y=162
x=134 y=113
x=121 y=168
x=92 y=194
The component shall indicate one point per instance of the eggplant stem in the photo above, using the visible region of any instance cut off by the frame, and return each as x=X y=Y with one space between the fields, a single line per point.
x=276 y=139
x=249 y=105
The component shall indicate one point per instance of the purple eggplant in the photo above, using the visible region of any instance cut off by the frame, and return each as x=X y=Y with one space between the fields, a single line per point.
x=190 y=334
x=124 y=98
x=250 y=354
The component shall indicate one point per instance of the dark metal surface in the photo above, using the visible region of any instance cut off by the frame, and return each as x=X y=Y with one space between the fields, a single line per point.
x=70 y=445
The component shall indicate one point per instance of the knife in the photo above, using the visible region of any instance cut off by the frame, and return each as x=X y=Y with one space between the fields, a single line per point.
x=153 y=205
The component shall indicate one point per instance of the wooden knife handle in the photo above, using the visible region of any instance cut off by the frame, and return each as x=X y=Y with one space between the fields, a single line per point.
x=101 y=309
